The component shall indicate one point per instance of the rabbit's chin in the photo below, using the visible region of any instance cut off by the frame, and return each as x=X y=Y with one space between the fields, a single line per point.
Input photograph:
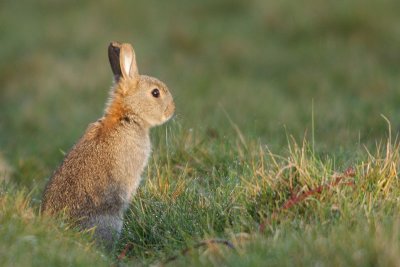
x=161 y=121
x=167 y=117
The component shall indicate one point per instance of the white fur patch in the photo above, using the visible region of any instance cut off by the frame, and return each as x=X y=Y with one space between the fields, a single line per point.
x=127 y=63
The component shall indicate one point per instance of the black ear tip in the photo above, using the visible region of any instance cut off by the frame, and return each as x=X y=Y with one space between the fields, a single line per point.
x=114 y=47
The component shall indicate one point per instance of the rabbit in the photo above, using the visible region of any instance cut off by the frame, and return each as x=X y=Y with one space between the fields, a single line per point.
x=97 y=179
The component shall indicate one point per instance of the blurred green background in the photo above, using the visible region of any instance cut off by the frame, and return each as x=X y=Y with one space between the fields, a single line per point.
x=273 y=66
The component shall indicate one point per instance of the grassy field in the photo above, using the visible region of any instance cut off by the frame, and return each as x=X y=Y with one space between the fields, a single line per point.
x=284 y=150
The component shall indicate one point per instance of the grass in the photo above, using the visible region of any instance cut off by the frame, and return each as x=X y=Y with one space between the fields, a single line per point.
x=30 y=240
x=275 y=101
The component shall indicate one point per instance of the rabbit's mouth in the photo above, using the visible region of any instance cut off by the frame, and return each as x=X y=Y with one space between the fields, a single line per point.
x=169 y=111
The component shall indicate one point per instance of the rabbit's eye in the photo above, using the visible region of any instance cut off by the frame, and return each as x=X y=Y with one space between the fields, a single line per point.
x=155 y=92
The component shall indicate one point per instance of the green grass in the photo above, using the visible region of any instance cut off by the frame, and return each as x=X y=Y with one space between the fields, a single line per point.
x=31 y=240
x=274 y=99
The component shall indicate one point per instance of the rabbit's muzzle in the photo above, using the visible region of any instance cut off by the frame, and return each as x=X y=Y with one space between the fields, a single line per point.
x=169 y=111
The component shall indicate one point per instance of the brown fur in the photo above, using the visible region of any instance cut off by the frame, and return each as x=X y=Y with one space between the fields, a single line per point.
x=98 y=177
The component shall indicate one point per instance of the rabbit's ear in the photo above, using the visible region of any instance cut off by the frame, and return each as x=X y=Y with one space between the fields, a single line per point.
x=122 y=60
x=113 y=57
x=127 y=61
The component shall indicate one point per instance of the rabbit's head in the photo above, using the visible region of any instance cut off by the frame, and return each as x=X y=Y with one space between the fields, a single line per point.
x=145 y=98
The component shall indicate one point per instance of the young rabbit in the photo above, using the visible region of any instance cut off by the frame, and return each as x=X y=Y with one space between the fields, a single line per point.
x=99 y=176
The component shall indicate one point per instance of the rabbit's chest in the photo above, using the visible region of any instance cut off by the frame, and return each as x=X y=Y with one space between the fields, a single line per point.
x=132 y=160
